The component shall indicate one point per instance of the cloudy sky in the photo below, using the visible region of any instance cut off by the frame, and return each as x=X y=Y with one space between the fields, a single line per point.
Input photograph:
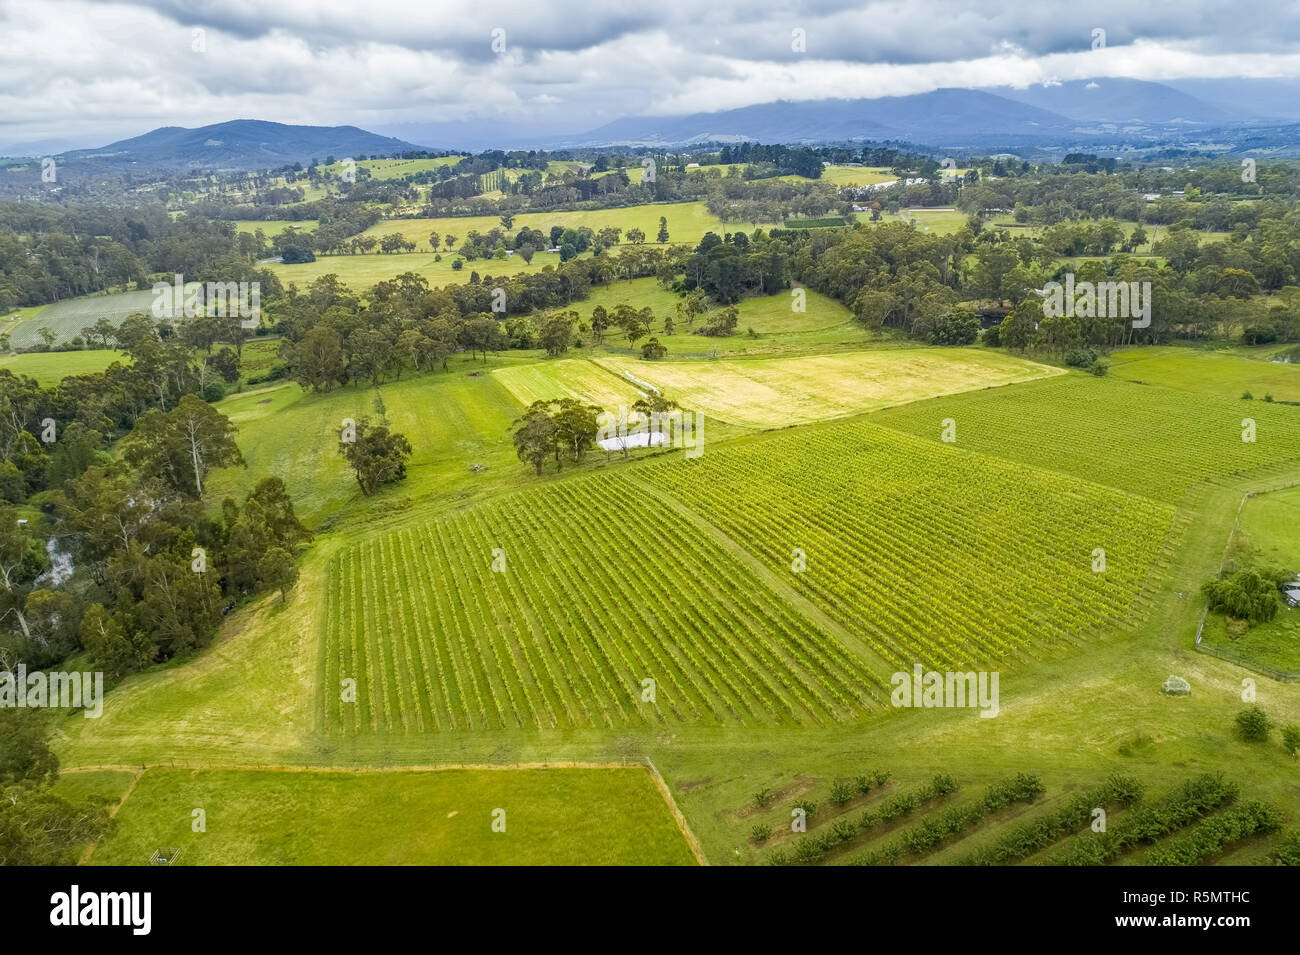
x=86 y=72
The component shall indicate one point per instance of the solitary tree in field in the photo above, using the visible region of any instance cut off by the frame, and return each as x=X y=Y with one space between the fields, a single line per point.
x=696 y=304
x=663 y=229
x=435 y=240
x=377 y=456
x=508 y=221
x=450 y=239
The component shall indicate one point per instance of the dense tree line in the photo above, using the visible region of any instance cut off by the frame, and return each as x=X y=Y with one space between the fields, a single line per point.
x=49 y=253
x=116 y=463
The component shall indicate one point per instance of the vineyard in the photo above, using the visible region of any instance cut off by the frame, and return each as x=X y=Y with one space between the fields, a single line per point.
x=1148 y=440
x=930 y=556
x=596 y=591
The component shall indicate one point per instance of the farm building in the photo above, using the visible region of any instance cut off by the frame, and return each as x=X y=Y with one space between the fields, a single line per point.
x=1291 y=592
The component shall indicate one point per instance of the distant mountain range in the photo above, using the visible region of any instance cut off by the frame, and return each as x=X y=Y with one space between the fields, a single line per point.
x=240 y=144
x=1113 y=116
x=1082 y=112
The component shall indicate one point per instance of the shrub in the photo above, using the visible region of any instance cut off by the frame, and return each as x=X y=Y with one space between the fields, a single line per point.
x=761 y=833
x=943 y=785
x=1268 y=397
x=842 y=792
x=778 y=857
x=1288 y=850
x=1022 y=787
x=297 y=255
x=1291 y=739
x=1253 y=725
x=1081 y=357
x=843 y=830
x=457 y=264
x=763 y=798
x=807 y=849
x=1027 y=839
x=1247 y=594
x=1214 y=834
x=1247 y=396
x=1100 y=368
x=957 y=328
x=868 y=781
x=1146 y=824
x=809 y=807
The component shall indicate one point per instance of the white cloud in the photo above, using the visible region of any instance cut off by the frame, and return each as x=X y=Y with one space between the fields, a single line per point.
x=102 y=70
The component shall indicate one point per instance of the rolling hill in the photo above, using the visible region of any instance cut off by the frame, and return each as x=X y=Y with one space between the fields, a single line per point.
x=239 y=144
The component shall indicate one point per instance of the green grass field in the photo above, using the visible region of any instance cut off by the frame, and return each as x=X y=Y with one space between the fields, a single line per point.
x=687 y=222
x=841 y=176
x=767 y=325
x=552 y=816
x=455 y=419
x=567 y=378
x=273 y=227
x=1157 y=442
x=397 y=168
x=771 y=314
x=49 y=368
x=362 y=271
x=1226 y=374
x=1266 y=537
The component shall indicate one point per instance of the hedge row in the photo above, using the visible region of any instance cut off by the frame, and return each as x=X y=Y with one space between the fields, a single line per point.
x=1188 y=803
x=921 y=838
x=1027 y=839
x=811 y=846
x=1288 y=850
x=1211 y=836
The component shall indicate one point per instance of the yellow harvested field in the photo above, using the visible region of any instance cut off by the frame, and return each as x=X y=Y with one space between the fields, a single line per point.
x=783 y=391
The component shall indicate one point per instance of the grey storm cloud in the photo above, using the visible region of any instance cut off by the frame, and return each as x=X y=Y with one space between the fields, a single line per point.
x=900 y=32
x=103 y=69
